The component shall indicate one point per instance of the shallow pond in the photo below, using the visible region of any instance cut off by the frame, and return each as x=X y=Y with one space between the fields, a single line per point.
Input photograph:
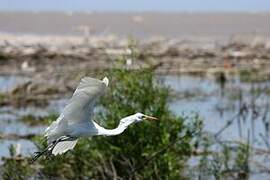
x=11 y=81
x=215 y=102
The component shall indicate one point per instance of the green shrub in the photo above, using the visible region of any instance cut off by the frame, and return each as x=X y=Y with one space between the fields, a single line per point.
x=16 y=167
x=148 y=150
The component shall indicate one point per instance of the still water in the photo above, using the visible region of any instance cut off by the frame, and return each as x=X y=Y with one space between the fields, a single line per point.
x=217 y=103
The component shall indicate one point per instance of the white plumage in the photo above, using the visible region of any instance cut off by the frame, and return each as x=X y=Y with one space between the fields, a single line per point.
x=76 y=120
x=63 y=147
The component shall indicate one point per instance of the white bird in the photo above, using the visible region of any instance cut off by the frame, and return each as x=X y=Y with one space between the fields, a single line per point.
x=76 y=120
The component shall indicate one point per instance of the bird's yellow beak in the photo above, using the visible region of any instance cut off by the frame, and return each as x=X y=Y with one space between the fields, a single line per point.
x=150 y=118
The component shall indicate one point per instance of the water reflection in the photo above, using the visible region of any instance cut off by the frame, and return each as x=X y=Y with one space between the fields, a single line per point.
x=230 y=108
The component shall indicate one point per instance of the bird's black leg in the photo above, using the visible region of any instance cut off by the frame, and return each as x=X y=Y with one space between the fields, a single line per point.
x=40 y=153
x=48 y=150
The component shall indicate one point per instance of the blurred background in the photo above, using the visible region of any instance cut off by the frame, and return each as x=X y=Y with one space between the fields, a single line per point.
x=212 y=56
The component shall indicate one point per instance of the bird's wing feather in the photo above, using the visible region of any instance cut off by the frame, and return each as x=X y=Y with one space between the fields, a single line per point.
x=81 y=105
x=63 y=147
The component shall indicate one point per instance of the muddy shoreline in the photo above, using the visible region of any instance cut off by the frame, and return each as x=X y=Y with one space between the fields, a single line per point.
x=52 y=54
x=62 y=60
x=213 y=79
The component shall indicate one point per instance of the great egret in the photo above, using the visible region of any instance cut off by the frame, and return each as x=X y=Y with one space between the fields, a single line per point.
x=76 y=120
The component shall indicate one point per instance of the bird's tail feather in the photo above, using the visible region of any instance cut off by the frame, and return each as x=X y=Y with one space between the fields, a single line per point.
x=59 y=146
x=63 y=147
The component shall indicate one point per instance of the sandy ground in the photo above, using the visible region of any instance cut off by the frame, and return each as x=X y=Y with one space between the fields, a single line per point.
x=139 y=24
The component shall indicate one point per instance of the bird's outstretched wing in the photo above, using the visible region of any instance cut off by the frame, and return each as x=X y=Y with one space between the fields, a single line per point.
x=78 y=111
x=81 y=105
x=79 y=108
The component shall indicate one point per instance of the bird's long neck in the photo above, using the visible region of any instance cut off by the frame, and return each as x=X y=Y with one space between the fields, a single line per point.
x=124 y=123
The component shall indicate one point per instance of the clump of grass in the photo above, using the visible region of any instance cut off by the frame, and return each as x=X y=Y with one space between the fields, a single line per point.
x=2 y=97
x=16 y=168
x=242 y=161
x=246 y=75
x=253 y=76
x=223 y=160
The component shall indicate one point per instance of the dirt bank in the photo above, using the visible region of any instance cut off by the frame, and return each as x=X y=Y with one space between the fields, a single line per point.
x=50 y=60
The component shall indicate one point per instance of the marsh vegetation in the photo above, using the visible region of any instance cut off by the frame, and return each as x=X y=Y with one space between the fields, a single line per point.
x=212 y=124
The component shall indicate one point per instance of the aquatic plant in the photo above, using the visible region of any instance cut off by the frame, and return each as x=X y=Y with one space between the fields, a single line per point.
x=223 y=160
x=151 y=150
